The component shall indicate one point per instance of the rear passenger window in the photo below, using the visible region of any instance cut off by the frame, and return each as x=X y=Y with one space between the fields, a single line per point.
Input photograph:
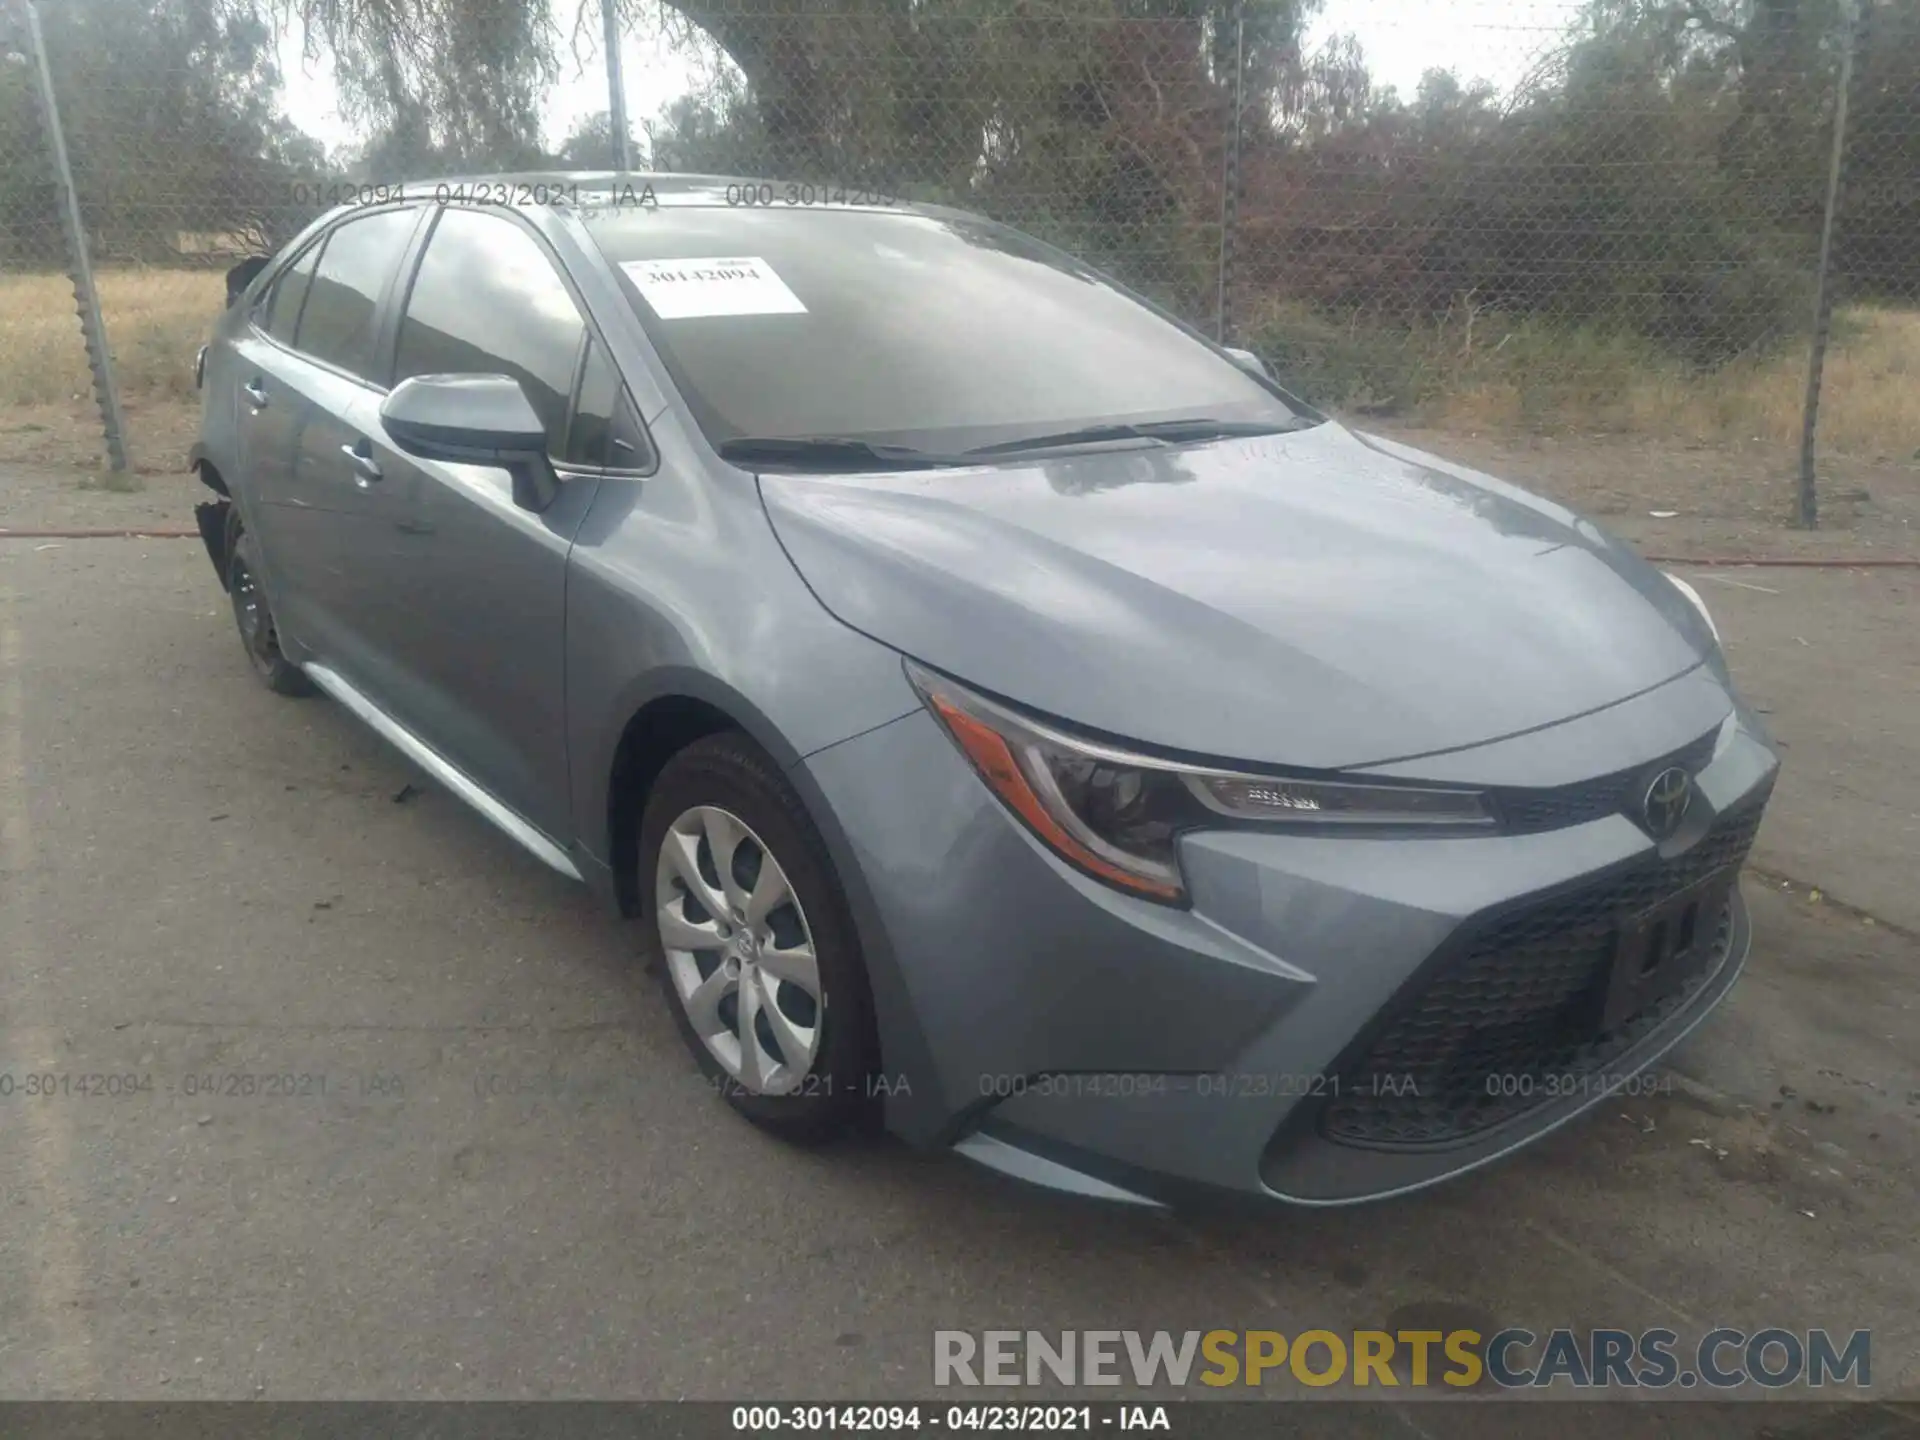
x=359 y=260
x=281 y=313
x=487 y=301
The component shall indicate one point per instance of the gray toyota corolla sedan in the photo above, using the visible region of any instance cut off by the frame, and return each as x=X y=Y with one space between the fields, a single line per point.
x=1015 y=719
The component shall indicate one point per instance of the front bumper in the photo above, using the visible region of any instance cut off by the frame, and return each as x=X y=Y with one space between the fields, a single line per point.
x=1060 y=1030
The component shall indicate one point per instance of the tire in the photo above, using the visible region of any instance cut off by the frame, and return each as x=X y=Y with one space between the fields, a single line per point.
x=254 y=619
x=725 y=791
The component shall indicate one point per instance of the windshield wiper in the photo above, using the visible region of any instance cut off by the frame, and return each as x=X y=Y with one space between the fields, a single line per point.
x=1172 y=432
x=840 y=452
x=833 y=452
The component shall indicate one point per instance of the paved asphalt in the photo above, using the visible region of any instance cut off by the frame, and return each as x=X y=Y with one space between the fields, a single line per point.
x=499 y=1175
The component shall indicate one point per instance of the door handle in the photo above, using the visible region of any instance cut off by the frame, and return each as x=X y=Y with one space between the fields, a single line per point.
x=256 y=394
x=366 y=469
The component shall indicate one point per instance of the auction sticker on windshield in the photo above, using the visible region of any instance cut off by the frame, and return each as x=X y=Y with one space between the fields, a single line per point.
x=712 y=285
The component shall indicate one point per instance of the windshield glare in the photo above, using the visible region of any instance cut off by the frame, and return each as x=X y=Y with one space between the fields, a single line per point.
x=904 y=329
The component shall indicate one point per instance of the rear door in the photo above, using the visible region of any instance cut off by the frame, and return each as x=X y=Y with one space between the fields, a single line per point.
x=268 y=410
x=480 y=625
x=327 y=518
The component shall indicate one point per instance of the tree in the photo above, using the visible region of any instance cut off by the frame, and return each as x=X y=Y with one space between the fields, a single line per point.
x=1877 y=250
x=589 y=145
x=713 y=136
x=170 y=109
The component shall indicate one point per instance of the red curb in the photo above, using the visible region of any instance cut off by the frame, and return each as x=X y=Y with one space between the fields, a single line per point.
x=157 y=533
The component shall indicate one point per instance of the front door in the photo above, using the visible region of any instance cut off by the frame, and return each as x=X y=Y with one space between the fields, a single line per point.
x=478 y=601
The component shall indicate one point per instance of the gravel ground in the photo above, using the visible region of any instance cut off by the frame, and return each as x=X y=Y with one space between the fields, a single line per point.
x=505 y=1179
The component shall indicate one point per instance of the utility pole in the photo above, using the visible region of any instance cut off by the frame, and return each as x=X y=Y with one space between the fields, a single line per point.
x=1230 y=180
x=1823 y=292
x=616 y=87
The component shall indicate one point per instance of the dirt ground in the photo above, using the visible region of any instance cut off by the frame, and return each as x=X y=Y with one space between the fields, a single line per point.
x=1726 y=501
x=516 y=1188
x=66 y=436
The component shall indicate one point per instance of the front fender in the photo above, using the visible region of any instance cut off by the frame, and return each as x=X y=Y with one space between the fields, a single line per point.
x=600 y=743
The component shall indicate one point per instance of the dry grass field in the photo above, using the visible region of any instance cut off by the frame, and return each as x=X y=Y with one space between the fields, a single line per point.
x=1601 y=423
x=156 y=319
x=1869 y=407
x=1478 y=373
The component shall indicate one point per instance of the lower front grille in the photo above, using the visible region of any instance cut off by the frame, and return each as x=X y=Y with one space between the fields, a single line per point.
x=1510 y=1021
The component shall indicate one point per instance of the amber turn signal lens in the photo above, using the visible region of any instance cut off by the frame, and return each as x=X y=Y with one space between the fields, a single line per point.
x=997 y=766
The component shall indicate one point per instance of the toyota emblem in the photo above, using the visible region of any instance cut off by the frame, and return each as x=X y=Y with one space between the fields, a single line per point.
x=1665 y=803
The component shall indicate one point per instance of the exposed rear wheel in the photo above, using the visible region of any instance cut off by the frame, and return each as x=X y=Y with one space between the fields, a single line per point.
x=253 y=617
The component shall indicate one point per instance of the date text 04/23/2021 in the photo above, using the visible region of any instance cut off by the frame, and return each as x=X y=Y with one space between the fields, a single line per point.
x=961 y=1418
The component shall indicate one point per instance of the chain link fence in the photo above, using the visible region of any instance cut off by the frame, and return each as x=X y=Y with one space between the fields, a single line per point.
x=1624 y=228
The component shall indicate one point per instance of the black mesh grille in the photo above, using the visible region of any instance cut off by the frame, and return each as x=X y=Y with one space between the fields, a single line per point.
x=1530 y=811
x=1522 y=1000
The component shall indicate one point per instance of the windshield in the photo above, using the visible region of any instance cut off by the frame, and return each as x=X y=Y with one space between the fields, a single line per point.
x=904 y=329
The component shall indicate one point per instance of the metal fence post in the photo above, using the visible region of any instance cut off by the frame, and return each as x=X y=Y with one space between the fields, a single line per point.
x=616 y=87
x=79 y=266
x=1230 y=177
x=1823 y=293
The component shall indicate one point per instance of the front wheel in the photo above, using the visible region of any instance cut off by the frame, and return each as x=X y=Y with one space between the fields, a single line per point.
x=759 y=958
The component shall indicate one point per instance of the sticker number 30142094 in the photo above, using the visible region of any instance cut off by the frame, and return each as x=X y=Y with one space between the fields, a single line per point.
x=712 y=285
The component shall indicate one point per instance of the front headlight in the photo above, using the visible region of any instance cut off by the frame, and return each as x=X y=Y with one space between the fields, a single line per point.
x=1116 y=815
x=1694 y=595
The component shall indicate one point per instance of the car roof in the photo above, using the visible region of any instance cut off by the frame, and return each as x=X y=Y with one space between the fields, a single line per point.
x=613 y=189
x=679 y=188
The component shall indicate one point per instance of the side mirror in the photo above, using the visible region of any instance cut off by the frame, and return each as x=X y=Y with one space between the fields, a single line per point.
x=474 y=420
x=1249 y=362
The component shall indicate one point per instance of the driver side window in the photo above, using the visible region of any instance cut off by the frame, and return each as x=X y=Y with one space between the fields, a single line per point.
x=487 y=301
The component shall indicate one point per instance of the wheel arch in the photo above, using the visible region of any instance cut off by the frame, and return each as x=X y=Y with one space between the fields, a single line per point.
x=201 y=463
x=671 y=711
x=677 y=707
x=213 y=517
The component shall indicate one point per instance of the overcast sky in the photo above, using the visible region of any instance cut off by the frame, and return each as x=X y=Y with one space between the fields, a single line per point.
x=1495 y=40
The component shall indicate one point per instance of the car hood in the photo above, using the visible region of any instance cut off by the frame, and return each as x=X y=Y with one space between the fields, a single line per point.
x=1316 y=599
